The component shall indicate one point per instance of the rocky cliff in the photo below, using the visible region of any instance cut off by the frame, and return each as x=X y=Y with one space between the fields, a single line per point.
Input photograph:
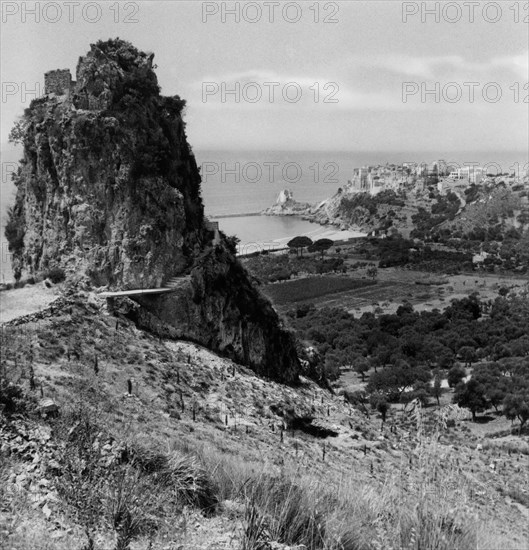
x=108 y=186
x=109 y=191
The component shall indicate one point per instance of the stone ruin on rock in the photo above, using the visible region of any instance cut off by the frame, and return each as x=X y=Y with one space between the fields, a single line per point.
x=59 y=82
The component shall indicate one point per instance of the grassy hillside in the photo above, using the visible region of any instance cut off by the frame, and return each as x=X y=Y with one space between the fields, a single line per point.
x=203 y=454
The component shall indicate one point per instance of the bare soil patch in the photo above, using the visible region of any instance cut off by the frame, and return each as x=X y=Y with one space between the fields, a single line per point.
x=24 y=301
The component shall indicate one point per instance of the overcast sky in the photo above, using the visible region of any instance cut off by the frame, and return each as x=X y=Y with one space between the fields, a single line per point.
x=359 y=64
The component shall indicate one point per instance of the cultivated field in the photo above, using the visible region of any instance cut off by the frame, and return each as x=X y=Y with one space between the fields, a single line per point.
x=358 y=294
x=309 y=288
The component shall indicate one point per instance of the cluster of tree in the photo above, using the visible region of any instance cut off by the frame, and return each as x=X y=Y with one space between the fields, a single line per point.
x=366 y=201
x=272 y=268
x=507 y=248
x=472 y=193
x=499 y=384
x=511 y=253
x=492 y=211
x=446 y=205
x=298 y=244
x=408 y=353
x=447 y=261
x=426 y=226
x=426 y=222
x=396 y=251
x=15 y=230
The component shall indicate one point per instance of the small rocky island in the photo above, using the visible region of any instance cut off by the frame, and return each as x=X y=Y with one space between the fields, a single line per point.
x=326 y=212
x=286 y=205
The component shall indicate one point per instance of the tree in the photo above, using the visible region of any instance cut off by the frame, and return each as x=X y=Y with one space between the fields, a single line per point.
x=299 y=243
x=495 y=395
x=466 y=308
x=411 y=342
x=468 y=354
x=455 y=375
x=445 y=358
x=393 y=381
x=361 y=366
x=17 y=133
x=381 y=356
x=372 y=272
x=430 y=351
x=496 y=384
x=321 y=245
x=436 y=389
x=332 y=366
x=421 y=391
x=404 y=309
x=520 y=347
x=471 y=395
x=14 y=230
x=517 y=406
x=380 y=403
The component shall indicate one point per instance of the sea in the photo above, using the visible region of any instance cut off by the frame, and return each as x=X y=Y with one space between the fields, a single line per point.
x=238 y=183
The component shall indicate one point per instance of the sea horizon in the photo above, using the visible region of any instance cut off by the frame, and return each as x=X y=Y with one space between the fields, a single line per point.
x=312 y=176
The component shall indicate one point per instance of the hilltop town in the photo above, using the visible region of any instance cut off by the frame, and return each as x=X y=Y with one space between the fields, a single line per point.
x=447 y=177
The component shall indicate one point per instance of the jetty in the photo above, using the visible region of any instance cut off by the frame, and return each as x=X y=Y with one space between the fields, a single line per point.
x=220 y=216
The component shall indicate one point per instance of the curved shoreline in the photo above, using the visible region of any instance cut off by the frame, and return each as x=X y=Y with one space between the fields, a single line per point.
x=250 y=244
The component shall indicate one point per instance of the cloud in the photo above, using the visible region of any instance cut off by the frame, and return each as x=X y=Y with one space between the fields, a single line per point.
x=452 y=66
x=518 y=64
x=279 y=91
x=356 y=87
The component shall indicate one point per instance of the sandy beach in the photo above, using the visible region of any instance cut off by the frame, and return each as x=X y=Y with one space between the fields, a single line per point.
x=280 y=230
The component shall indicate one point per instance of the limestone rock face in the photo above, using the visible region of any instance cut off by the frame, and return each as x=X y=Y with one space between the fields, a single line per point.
x=108 y=186
x=219 y=308
x=284 y=197
x=109 y=190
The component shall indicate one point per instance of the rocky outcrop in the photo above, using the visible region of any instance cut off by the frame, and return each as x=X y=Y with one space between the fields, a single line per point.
x=218 y=307
x=348 y=208
x=286 y=205
x=109 y=191
x=108 y=186
x=325 y=212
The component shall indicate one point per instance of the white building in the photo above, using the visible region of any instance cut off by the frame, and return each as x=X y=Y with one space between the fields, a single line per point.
x=474 y=174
